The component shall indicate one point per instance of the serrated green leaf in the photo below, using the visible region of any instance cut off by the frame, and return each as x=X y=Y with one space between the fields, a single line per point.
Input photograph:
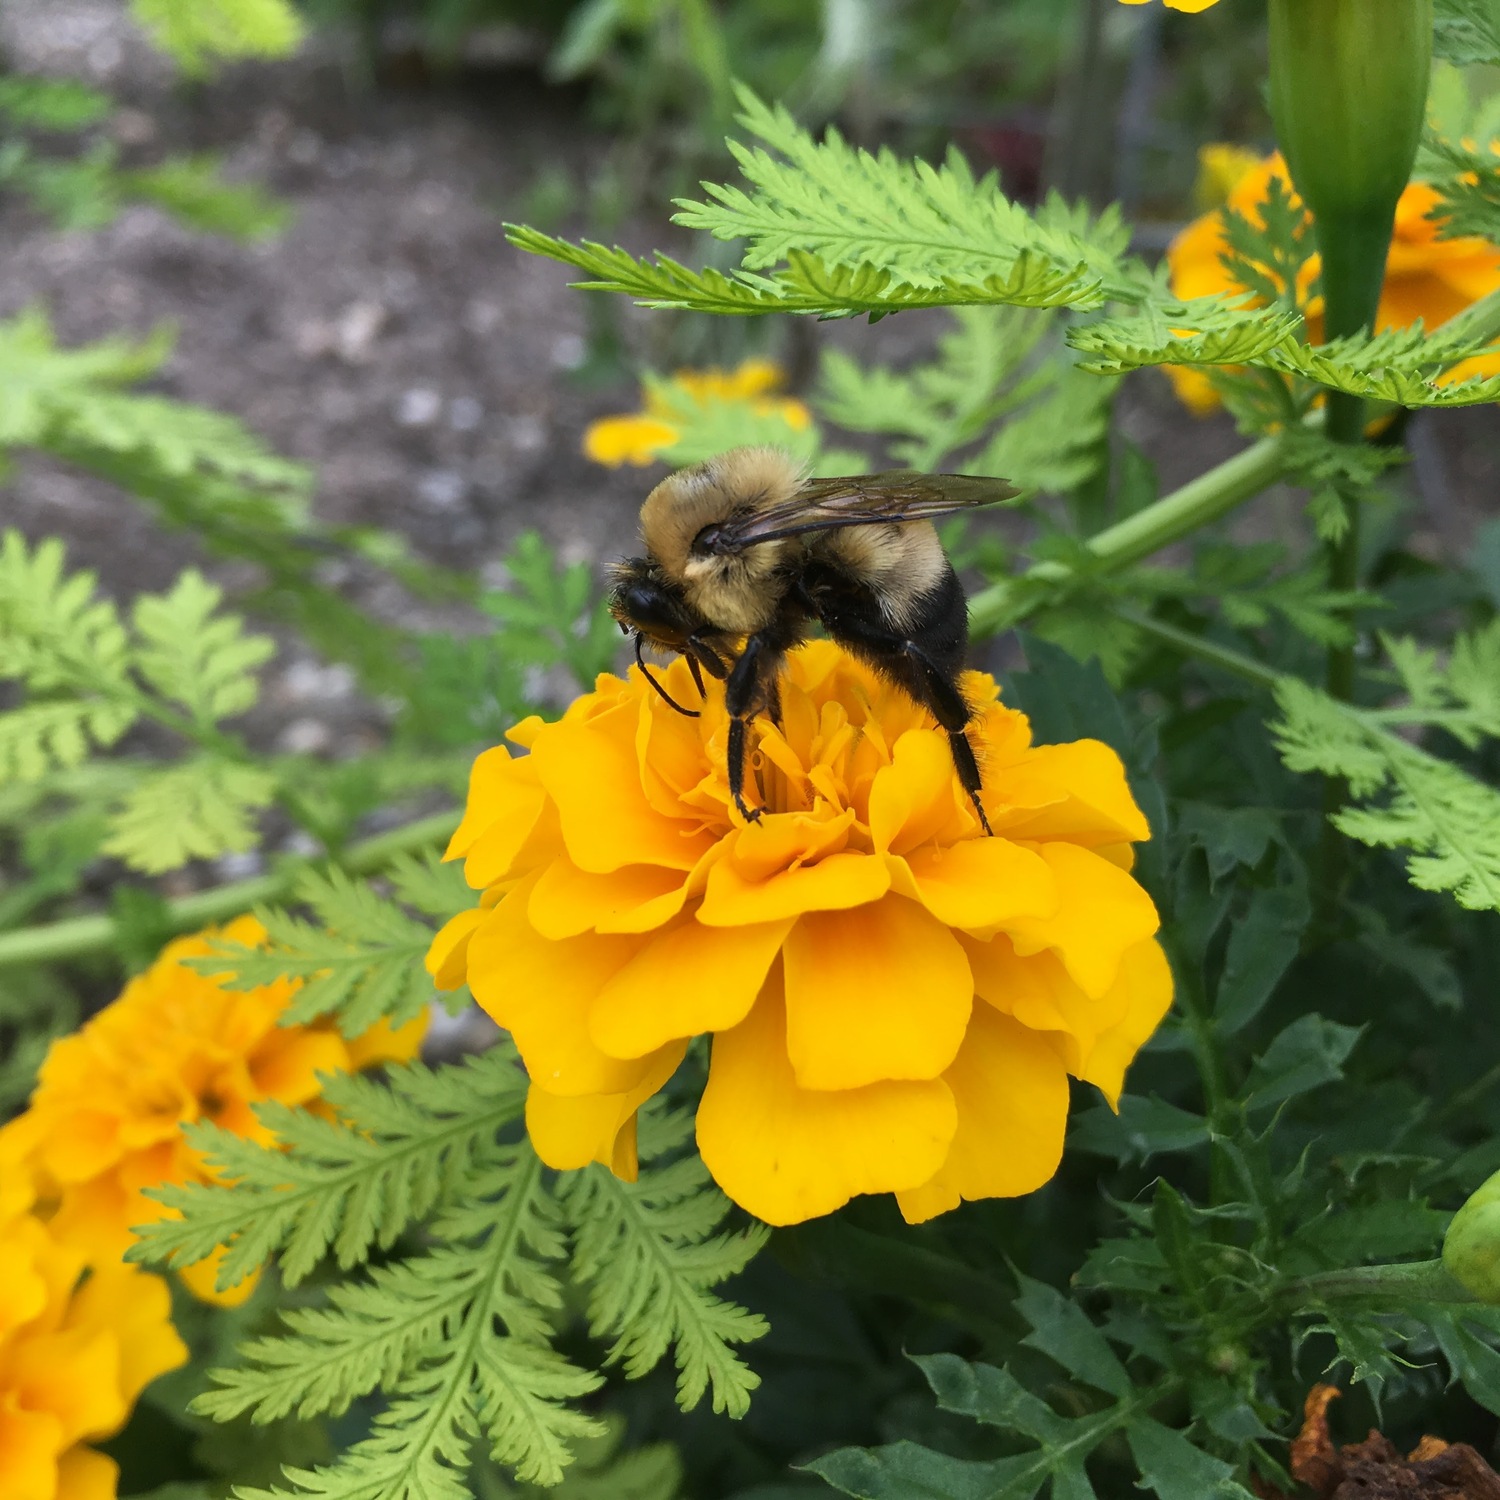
x=397 y=1149
x=360 y=961
x=195 y=657
x=199 y=33
x=648 y=1253
x=199 y=809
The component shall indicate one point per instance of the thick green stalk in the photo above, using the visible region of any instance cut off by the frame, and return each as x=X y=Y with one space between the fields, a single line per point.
x=1402 y=1285
x=80 y=936
x=1173 y=517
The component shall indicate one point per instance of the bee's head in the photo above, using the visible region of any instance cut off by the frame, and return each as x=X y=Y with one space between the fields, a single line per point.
x=644 y=601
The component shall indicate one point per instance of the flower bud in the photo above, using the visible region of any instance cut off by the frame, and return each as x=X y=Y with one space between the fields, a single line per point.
x=1348 y=92
x=1471 y=1248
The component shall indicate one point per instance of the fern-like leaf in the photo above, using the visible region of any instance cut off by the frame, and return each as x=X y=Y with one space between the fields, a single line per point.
x=360 y=960
x=194 y=657
x=198 y=33
x=1446 y=820
x=398 y=1149
x=457 y=1335
x=649 y=1252
x=197 y=810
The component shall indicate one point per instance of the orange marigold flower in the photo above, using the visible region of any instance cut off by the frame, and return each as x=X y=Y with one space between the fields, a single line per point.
x=105 y=1121
x=1425 y=277
x=642 y=437
x=895 y=1000
x=75 y=1353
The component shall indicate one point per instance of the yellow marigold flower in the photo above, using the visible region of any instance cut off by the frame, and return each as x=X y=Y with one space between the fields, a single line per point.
x=1425 y=277
x=895 y=1000
x=642 y=437
x=75 y=1353
x=105 y=1121
x=1192 y=6
x=1221 y=168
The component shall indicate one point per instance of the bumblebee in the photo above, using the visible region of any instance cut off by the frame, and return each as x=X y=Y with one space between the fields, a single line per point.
x=744 y=554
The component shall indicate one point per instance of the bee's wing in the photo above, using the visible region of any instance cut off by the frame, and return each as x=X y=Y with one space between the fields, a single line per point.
x=858 y=500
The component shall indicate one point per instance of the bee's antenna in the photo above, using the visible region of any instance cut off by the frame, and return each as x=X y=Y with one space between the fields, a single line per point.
x=661 y=692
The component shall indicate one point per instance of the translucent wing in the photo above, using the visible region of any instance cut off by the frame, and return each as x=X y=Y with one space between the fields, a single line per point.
x=856 y=500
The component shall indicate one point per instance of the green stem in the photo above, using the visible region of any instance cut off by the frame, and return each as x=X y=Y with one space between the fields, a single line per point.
x=1403 y=1284
x=1171 y=518
x=79 y=936
x=1211 y=652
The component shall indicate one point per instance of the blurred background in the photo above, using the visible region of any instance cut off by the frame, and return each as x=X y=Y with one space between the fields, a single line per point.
x=360 y=309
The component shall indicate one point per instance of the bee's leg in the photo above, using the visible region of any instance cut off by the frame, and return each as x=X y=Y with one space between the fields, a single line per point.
x=750 y=690
x=697 y=672
x=948 y=707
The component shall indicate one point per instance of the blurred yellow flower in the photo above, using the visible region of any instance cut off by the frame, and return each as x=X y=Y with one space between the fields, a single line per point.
x=642 y=437
x=105 y=1121
x=1192 y=6
x=75 y=1353
x=1221 y=168
x=1425 y=277
x=895 y=1001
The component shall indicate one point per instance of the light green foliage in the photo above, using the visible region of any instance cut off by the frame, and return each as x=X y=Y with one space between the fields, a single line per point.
x=88 y=680
x=1447 y=819
x=51 y=103
x=843 y=232
x=712 y=425
x=554 y=636
x=399 y=1149
x=198 y=809
x=193 y=656
x=1467 y=31
x=1399 y=366
x=71 y=402
x=994 y=378
x=459 y=1335
x=649 y=1253
x=1058 y=1447
x=361 y=958
x=200 y=33
x=192 y=191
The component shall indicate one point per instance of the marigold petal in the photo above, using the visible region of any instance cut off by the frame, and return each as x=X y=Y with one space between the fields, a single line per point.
x=542 y=992
x=1089 y=799
x=448 y=956
x=633 y=439
x=1146 y=982
x=82 y=1143
x=137 y=1307
x=690 y=979
x=569 y=1133
x=1011 y=1092
x=590 y=772
x=567 y=901
x=287 y=1064
x=1101 y=913
x=915 y=798
x=73 y=1374
x=83 y=1474
x=504 y=798
x=383 y=1043
x=882 y=992
x=833 y=884
x=786 y=1153
x=981 y=882
x=201 y=1279
x=29 y=1445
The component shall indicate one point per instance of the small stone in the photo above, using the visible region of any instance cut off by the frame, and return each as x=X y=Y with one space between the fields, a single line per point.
x=304 y=737
x=357 y=329
x=527 y=434
x=464 y=414
x=418 y=407
x=569 y=351
x=442 y=489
